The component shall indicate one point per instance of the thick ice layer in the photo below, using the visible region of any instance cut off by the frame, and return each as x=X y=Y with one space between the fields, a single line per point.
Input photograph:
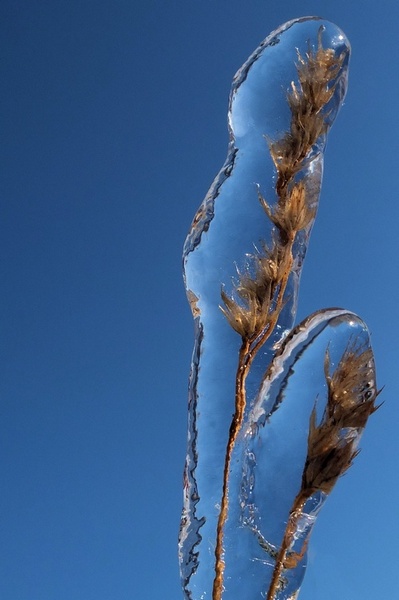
x=242 y=262
x=275 y=446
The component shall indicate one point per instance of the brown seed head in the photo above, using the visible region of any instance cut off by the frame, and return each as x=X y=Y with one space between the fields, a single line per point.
x=252 y=308
x=332 y=444
x=317 y=72
x=295 y=213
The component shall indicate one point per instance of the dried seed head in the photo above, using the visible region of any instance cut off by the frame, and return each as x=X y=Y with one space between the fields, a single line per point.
x=317 y=72
x=308 y=99
x=240 y=318
x=252 y=309
x=351 y=388
x=332 y=444
x=331 y=452
x=295 y=213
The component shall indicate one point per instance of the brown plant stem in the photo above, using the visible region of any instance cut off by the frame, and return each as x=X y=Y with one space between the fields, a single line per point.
x=249 y=349
x=281 y=561
x=235 y=426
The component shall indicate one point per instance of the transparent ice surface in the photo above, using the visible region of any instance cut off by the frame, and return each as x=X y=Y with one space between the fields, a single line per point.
x=253 y=480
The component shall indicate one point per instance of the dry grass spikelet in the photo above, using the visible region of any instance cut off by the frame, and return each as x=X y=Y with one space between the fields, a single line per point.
x=295 y=208
x=241 y=318
x=332 y=444
x=255 y=292
x=308 y=100
x=295 y=214
x=352 y=386
x=317 y=70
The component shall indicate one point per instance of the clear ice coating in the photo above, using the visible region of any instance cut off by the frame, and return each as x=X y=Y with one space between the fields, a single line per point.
x=275 y=413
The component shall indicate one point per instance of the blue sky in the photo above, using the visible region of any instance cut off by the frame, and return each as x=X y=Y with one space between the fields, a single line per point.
x=113 y=126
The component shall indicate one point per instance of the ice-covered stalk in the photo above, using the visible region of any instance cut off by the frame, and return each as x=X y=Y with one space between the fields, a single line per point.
x=242 y=263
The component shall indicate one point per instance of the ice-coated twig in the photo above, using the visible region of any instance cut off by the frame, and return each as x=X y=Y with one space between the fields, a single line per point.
x=260 y=298
x=275 y=413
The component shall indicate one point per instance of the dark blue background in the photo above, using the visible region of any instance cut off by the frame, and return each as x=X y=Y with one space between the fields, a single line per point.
x=113 y=118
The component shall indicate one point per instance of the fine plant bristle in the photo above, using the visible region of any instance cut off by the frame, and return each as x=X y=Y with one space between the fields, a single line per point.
x=297 y=212
x=255 y=306
x=317 y=75
x=332 y=444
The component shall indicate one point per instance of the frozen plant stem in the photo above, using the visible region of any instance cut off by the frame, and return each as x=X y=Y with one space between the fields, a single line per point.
x=260 y=299
x=332 y=445
x=275 y=411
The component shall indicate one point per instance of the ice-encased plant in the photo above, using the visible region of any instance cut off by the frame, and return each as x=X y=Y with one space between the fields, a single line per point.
x=275 y=412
